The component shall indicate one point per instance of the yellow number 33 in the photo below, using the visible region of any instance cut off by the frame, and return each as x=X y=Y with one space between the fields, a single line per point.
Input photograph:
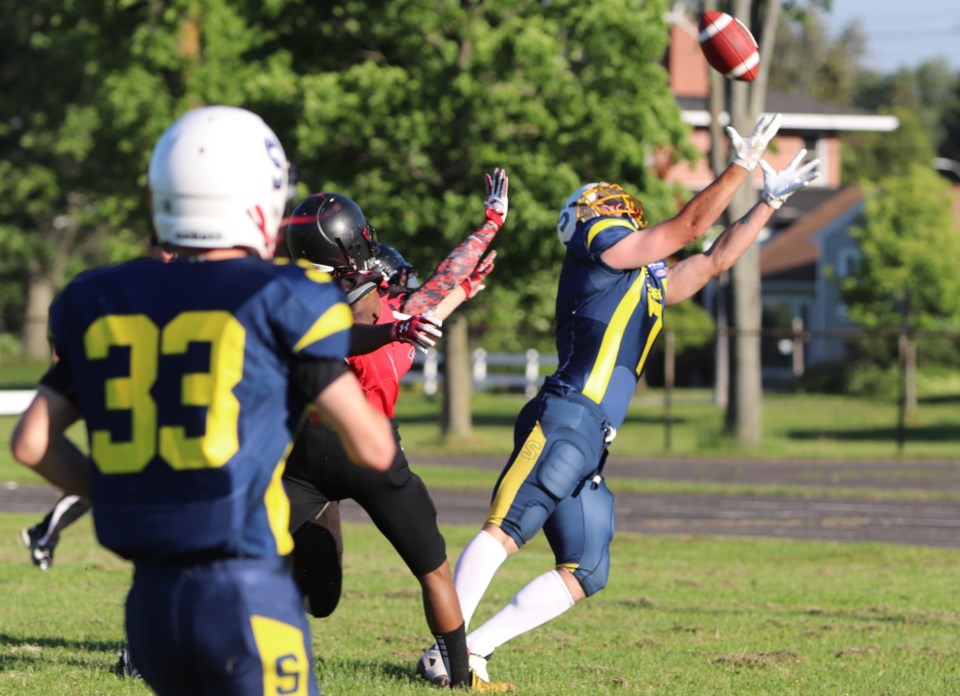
x=132 y=392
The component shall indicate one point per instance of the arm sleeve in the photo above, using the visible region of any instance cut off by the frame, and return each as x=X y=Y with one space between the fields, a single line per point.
x=454 y=269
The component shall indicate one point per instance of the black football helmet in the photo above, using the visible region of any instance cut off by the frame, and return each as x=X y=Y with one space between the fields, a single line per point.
x=396 y=269
x=330 y=230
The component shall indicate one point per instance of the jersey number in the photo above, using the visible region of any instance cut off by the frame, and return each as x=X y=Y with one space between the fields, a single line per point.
x=131 y=392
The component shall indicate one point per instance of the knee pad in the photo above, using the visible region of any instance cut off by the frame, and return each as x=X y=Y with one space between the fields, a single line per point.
x=567 y=458
x=594 y=579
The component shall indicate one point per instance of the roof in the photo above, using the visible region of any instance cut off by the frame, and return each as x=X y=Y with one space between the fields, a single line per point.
x=792 y=254
x=800 y=112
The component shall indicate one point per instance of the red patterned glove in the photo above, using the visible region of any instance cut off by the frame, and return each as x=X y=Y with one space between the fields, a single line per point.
x=420 y=331
x=473 y=283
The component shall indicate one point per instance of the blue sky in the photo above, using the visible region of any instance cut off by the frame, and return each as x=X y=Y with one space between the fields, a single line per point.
x=903 y=32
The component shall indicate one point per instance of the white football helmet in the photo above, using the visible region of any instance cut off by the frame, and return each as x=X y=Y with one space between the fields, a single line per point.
x=585 y=203
x=219 y=179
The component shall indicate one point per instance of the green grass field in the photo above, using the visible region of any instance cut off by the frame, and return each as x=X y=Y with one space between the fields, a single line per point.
x=683 y=616
x=796 y=426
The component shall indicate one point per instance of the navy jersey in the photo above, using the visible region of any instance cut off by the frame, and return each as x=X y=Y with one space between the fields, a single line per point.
x=182 y=374
x=607 y=319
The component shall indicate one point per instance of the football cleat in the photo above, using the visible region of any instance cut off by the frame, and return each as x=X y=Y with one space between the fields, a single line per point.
x=430 y=666
x=480 y=679
x=488 y=687
x=42 y=556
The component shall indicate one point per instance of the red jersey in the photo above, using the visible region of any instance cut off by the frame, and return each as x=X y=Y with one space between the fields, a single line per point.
x=380 y=372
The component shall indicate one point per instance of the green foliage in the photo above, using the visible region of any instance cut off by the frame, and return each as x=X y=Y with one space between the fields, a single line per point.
x=405 y=105
x=870 y=157
x=402 y=105
x=812 y=62
x=924 y=92
x=909 y=248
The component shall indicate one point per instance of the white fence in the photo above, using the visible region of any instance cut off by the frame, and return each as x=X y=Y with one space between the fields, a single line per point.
x=490 y=370
x=13 y=402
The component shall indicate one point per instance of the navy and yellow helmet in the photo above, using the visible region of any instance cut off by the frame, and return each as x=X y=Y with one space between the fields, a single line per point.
x=596 y=200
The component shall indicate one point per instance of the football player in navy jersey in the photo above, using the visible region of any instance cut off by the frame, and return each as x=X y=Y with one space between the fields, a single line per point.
x=42 y=538
x=192 y=378
x=613 y=288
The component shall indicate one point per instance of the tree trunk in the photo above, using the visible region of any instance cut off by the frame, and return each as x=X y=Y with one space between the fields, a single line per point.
x=747 y=101
x=744 y=410
x=36 y=345
x=718 y=162
x=456 y=413
x=910 y=376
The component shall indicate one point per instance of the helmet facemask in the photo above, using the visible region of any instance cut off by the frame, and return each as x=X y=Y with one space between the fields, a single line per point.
x=610 y=199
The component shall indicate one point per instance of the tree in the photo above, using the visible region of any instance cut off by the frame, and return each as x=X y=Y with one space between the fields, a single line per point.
x=89 y=87
x=909 y=246
x=810 y=62
x=870 y=157
x=404 y=105
x=925 y=91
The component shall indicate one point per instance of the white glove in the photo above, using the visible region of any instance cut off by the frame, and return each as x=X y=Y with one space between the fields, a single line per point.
x=747 y=151
x=779 y=186
x=497 y=185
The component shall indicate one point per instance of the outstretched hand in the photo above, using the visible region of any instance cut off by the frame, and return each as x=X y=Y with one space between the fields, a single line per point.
x=779 y=186
x=747 y=151
x=473 y=283
x=421 y=331
x=497 y=186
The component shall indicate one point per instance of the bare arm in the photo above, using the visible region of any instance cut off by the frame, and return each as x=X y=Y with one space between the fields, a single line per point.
x=686 y=278
x=692 y=222
x=450 y=303
x=690 y=275
x=39 y=442
x=703 y=210
x=366 y=434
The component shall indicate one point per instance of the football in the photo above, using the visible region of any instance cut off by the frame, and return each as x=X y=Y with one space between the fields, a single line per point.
x=728 y=46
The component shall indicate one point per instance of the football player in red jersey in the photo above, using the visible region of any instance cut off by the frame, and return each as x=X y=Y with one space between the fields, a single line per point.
x=397 y=501
x=192 y=378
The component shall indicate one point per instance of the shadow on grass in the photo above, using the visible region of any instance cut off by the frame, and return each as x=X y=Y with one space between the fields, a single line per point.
x=941 y=399
x=934 y=433
x=23 y=650
x=378 y=670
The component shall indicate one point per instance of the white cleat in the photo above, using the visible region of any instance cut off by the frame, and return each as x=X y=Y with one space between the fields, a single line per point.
x=430 y=666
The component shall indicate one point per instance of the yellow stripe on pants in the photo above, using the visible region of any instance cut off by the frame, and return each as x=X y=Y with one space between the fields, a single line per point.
x=519 y=469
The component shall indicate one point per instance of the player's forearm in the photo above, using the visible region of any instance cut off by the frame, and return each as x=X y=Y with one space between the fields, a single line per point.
x=737 y=238
x=39 y=444
x=705 y=208
x=455 y=268
x=66 y=467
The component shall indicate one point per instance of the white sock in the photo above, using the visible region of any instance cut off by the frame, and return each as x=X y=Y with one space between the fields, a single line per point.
x=476 y=567
x=539 y=601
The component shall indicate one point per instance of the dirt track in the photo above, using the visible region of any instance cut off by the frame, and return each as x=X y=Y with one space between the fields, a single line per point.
x=851 y=519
